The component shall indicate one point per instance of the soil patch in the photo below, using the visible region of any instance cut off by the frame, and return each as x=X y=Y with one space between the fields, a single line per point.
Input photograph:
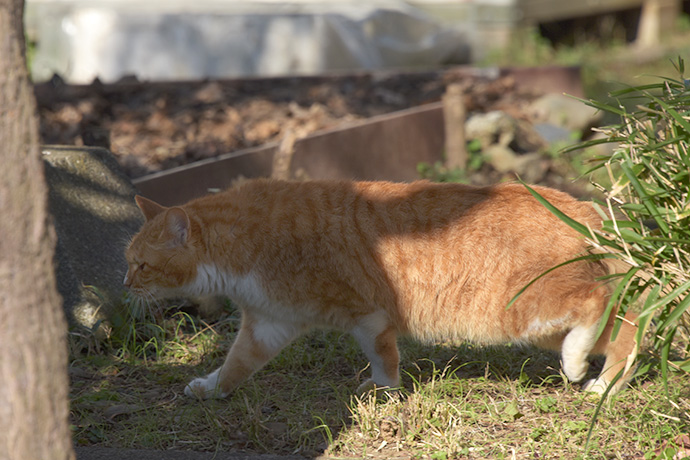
x=155 y=126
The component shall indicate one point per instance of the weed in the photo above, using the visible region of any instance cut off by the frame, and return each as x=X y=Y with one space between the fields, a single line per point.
x=439 y=172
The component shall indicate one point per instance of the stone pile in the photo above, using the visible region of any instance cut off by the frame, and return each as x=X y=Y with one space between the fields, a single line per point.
x=521 y=145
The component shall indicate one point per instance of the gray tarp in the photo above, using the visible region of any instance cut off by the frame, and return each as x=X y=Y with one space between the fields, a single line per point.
x=185 y=40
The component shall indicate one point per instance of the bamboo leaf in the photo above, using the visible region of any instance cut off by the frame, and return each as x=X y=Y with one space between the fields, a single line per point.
x=682 y=365
x=643 y=195
x=615 y=296
x=676 y=116
x=652 y=305
x=617 y=110
x=677 y=312
x=560 y=214
x=571 y=261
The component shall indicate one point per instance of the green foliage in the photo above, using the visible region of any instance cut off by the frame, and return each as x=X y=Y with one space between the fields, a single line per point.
x=30 y=52
x=438 y=172
x=546 y=404
x=647 y=208
x=527 y=48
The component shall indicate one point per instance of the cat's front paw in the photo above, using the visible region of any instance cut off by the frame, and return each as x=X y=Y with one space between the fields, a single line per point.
x=371 y=386
x=205 y=387
x=367 y=386
x=575 y=371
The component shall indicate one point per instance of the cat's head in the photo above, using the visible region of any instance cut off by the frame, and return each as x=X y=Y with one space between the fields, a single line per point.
x=162 y=258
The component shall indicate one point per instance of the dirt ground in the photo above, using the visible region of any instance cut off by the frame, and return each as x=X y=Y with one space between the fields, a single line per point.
x=155 y=126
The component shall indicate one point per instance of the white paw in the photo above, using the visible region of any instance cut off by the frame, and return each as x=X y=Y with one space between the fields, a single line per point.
x=597 y=386
x=369 y=385
x=366 y=386
x=576 y=372
x=205 y=387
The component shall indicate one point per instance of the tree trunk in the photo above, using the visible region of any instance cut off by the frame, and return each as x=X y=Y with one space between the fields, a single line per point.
x=34 y=411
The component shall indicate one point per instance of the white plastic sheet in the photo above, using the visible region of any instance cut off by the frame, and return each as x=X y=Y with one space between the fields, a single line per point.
x=181 y=41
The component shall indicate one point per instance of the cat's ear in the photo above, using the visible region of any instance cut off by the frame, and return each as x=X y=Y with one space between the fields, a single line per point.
x=177 y=225
x=149 y=208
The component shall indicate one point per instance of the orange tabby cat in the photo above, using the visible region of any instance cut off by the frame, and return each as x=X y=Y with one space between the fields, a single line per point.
x=378 y=259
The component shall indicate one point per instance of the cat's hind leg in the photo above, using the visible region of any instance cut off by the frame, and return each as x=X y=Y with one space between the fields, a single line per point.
x=377 y=338
x=257 y=342
x=617 y=352
x=576 y=347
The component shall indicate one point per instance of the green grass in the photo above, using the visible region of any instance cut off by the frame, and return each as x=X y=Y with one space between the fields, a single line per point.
x=455 y=401
x=499 y=418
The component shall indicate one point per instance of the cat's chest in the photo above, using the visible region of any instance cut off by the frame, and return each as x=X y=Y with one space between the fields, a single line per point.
x=245 y=289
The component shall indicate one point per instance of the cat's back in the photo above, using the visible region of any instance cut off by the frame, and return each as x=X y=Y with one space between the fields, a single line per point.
x=379 y=208
x=434 y=209
x=318 y=224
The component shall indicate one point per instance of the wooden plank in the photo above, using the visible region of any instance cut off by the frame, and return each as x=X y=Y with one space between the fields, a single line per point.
x=179 y=185
x=387 y=147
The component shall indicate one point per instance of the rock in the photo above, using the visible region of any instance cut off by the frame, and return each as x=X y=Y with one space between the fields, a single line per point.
x=528 y=139
x=501 y=158
x=564 y=111
x=554 y=134
x=532 y=167
x=499 y=128
x=92 y=204
x=491 y=128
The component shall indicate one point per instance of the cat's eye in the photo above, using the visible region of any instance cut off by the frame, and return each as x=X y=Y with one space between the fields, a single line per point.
x=142 y=266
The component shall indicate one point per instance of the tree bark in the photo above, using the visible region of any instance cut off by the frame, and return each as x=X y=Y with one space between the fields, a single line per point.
x=34 y=410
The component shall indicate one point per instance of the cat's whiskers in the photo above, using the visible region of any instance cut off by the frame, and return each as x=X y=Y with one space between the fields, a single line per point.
x=145 y=299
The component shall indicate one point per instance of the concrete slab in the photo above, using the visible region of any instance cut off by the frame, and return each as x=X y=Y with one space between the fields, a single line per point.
x=92 y=204
x=106 y=453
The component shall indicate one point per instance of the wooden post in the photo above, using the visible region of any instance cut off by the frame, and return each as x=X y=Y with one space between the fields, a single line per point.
x=656 y=18
x=454 y=121
x=282 y=160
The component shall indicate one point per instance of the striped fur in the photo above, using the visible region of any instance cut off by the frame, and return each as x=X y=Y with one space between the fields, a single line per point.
x=379 y=259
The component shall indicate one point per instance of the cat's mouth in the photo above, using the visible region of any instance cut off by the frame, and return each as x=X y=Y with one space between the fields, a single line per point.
x=154 y=294
x=143 y=293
